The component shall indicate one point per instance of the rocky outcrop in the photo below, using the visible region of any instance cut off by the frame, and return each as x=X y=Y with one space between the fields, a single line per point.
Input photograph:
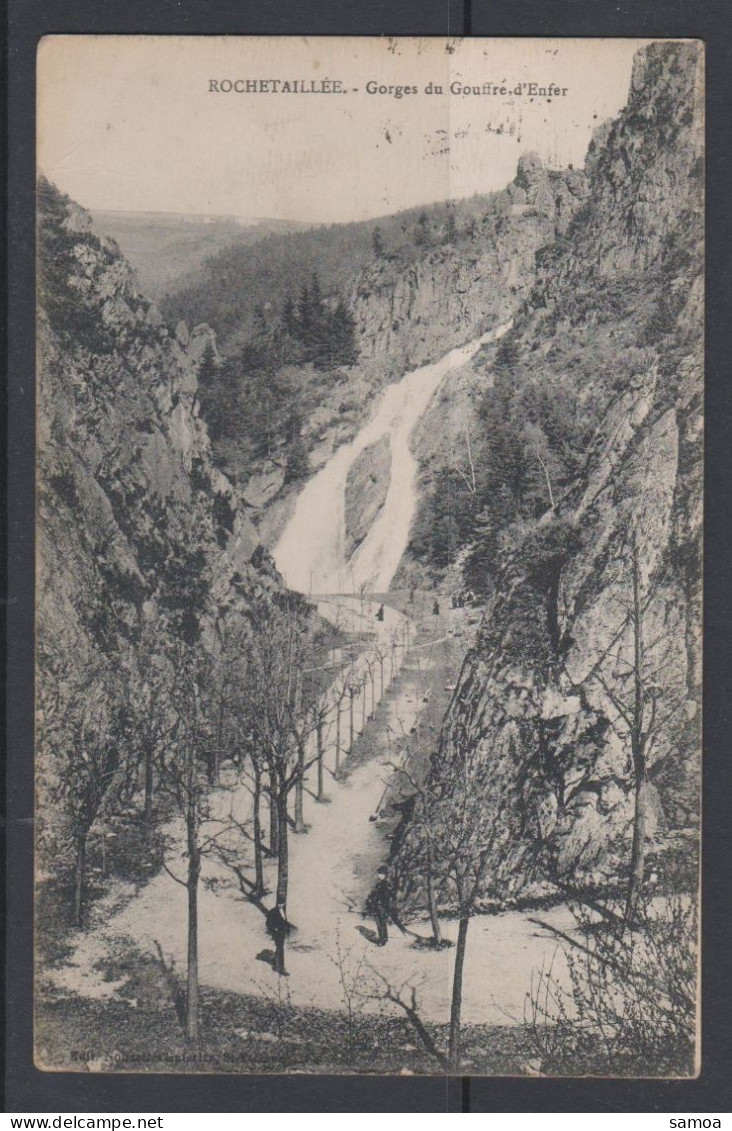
x=640 y=167
x=367 y=485
x=416 y=305
x=598 y=601
x=133 y=515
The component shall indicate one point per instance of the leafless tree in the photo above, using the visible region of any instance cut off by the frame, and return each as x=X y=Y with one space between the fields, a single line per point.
x=84 y=733
x=183 y=777
x=618 y=1003
x=405 y=997
x=339 y=693
x=279 y=714
x=152 y=718
x=635 y=673
x=357 y=986
x=478 y=810
x=380 y=652
x=418 y=850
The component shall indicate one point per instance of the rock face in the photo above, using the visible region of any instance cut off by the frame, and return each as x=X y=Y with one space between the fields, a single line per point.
x=599 y=600
x=129 y=499
x=640 y=166
x=418 y=304
x=367 y=485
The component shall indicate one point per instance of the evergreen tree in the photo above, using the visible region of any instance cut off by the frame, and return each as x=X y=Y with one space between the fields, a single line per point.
x=343 y=344
x=320 y=324
x=450 y=234
x=316 y=295
x=289 y=317
x=259 y=321
x=303 y=315
x=421 y=231
x=298 y=464
x=208 y=367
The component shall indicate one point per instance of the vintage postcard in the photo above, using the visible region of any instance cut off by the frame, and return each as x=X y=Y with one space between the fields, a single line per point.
x=370 y=390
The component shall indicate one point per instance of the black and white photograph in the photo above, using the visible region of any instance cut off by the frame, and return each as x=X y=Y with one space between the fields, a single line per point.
x=369 y=556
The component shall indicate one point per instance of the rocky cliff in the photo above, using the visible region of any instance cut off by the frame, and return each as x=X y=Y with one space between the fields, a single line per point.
x=433 y=279
x=137 y=530
x=589 y=657
x=419 y=302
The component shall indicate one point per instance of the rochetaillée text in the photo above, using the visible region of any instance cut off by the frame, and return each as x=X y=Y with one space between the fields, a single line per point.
x=337 y=86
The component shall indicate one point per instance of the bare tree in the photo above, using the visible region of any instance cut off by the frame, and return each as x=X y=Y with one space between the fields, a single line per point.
x=253 y=766
x=321 y=709
x=153 y=720
x=635 y=674
x=339 y=692
x=477 y=808
x=279 y=650
x=84 y=729
x=352 y=684
x=405 y=996
x=184 y=775
x=357 y=987
x=380 y=653
x=419 y=850
x=184 y=779
x=618 y=1003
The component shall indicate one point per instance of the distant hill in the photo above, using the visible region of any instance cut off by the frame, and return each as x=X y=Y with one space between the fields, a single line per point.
x=164 y=247
x=226 y=290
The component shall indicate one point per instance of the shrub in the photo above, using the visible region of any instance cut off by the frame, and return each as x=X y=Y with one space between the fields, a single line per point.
x=627 y=1005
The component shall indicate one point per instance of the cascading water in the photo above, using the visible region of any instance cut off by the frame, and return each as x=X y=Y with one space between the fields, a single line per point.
x=310 y=552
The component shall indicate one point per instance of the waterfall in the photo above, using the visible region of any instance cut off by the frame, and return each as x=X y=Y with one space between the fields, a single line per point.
x=310 y=551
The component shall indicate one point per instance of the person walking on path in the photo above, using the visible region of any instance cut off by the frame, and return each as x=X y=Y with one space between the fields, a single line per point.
x=381 y=905
x=278 y=929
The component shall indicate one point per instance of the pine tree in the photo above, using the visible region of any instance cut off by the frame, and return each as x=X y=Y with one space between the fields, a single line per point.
x=259 y=321
x=303 y=316
x=343 y=344
x=289 y=317
x=208 y=367
x=298 y=464
x=316 y=295
x=421 y=231
x=450 y=234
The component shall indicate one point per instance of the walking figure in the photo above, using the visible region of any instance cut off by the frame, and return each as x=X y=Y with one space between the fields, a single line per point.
x=381 y=905
x=380 y=613
x=436 y=608
x=278 y=929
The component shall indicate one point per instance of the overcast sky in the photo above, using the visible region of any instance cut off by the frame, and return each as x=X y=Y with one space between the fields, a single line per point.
x=129 y=123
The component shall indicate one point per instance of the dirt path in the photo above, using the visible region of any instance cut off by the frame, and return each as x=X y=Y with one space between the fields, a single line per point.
x=332 y=867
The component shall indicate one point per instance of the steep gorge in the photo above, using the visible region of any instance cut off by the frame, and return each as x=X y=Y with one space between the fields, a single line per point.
x=415 y=303
x=434 y=280
x=600 y=270
x=142 y=544
x=595 y=604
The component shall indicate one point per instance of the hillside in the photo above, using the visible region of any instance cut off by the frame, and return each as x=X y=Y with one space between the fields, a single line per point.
x=142 y=545
x=164 y=247
x=229 y=286
x=410 y=287
x=582 y=528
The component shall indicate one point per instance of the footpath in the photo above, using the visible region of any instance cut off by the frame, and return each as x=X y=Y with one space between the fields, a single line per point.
x=332 y=867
